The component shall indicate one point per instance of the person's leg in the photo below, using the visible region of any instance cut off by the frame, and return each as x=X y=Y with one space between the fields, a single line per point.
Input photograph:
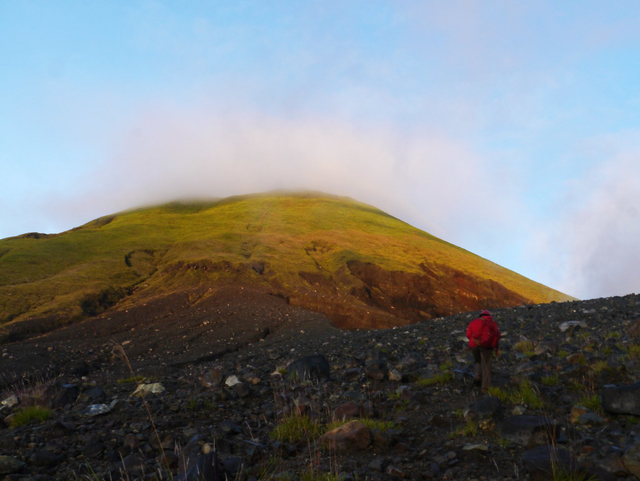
x=486 y=357
x=478 y=360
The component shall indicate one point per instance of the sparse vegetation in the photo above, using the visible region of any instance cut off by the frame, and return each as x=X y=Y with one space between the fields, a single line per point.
x=593 y=403
x=525 y=347
x=469 y=429
x=438 y=379
x=370 y=423
x=633 y=351
x=524 y=393
x=293 y=429
x=600 y=366
x=29 y=414
x=551 y=380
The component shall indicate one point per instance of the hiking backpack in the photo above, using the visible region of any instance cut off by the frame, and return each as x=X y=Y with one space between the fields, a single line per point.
x=488 y=334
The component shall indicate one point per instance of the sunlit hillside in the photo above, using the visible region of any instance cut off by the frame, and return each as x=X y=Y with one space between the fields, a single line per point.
x=358 y=265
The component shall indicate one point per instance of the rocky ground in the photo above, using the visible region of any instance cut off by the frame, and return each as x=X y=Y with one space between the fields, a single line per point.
x=213 y=386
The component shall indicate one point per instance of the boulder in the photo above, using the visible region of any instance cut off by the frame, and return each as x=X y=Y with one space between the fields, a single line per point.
x=621 y=399
x=486 y=407
x=631 y=458
x=349 y=437
x=348 y=410
x=547 y=462
x=206 y=467
x=9 y=465
x=376 y=370
x=64 y=394
x=309 y=367
x=94 y=395
x=527 y=430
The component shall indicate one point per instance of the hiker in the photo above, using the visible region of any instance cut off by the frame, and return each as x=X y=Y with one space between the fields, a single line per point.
x=484 y=337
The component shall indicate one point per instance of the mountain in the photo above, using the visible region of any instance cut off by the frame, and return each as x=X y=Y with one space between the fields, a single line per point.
x=357 y=265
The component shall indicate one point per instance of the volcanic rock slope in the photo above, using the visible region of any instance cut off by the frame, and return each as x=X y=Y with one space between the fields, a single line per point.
x=358 y=266
x=413 y=412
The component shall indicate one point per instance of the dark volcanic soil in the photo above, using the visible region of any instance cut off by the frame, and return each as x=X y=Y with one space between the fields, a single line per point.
x=192 y=347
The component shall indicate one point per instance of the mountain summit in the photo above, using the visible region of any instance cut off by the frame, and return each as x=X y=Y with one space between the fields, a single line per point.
x=357 y=265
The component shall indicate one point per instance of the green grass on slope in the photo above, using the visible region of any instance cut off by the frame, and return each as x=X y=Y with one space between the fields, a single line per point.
x=291 y=233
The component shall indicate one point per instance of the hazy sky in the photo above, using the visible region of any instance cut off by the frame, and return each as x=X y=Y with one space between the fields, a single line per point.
x=510 y=128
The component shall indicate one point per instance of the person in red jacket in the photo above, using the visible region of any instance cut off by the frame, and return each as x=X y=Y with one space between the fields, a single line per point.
x=484 y=339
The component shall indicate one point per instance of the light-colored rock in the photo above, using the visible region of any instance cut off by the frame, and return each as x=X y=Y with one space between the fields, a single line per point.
x=9 y=402
x=155 y=388
x=569 y=324
x=232 y=381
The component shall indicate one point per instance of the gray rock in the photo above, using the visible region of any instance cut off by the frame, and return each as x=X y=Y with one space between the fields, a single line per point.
x=43 y=458
x=631 y=458
x=66 y=394
x=621 y=399
x=543 y=462
x=9 y=465
x=205 y=468
x=309 y=367
x=376 y=370
x=484 y=408
x=527 y=430
x=95 y=395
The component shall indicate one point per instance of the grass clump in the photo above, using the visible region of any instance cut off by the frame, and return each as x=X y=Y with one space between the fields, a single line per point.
x=443 y=377
x=29 y=414
x=469 y=429
x=600 y=366
x=500 y=393
x=525 y=347
x=551 y=380
x=438 y=379
x=523 y=393
x=368 y=422
x=633 y=351
x=293 y=429
x=560 y=473
x=593 y=403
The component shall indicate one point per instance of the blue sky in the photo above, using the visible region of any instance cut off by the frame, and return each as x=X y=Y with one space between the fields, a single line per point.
x=509 y=128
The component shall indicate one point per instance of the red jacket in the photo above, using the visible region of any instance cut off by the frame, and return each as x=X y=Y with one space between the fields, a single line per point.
x=476 y=329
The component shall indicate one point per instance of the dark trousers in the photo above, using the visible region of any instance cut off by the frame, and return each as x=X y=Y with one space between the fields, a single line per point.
x=484 y=358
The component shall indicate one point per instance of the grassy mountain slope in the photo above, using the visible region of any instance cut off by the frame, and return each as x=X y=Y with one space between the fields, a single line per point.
x=358 y=265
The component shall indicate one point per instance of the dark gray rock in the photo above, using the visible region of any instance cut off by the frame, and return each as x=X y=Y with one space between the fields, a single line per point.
x=376 y=370
x=546 y=462
x=205 y=468
x=485 y=407
x=43 y=458
x=95 y=395
x=10 y=465
x=93 y=449
x=64 y=394
x=621 y=399
x=527 y=430
x=309 y=367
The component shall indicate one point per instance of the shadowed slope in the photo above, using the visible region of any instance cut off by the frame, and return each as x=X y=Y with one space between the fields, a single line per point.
x=350 y=261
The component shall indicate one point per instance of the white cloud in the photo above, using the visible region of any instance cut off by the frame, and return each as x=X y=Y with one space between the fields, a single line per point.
x=596 y=235
x=424 y=178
